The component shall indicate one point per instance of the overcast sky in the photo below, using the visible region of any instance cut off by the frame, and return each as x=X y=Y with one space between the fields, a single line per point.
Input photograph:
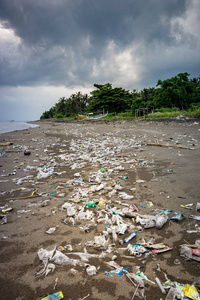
x=54 y=48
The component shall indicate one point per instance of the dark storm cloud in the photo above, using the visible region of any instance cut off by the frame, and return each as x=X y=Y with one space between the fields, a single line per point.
x=61 y=42
x=61 y=22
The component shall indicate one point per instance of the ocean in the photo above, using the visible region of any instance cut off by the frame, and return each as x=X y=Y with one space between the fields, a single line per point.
x=12 y=126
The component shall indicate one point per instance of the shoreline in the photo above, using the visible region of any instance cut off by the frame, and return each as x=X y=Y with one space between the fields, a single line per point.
x=119 y=142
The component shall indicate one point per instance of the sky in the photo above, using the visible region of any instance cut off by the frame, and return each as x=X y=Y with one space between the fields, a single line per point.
x=54 y=48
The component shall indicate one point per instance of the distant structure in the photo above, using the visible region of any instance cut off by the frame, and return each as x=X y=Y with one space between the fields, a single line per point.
x=141 y=112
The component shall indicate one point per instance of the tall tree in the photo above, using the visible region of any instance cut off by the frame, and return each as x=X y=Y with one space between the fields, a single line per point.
x=110 y=99
x=177 y=91
x=61 y=106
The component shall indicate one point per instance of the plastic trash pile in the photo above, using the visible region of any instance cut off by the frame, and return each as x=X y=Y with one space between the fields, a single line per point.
x=101 y=198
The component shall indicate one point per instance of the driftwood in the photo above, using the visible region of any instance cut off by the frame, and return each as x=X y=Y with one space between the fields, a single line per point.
x=134 y=215
x=6 y=144
x=196 y=246
x=156 y=246
x=166 y=145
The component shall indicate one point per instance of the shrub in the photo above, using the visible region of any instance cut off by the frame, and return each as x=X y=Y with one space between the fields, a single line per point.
x=163 y=110
x=175 y=109
x=59 y=116
x=195 y=106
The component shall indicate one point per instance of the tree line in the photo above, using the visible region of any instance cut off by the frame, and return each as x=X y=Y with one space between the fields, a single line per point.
x=179 y=92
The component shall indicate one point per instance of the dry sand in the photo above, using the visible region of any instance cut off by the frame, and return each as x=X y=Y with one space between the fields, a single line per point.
x=24 y=234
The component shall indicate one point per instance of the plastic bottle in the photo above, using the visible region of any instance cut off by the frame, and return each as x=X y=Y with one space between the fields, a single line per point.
x=130 y=237
x=160 y=285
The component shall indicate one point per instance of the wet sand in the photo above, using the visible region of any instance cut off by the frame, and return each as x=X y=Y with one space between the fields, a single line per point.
x=102 y=144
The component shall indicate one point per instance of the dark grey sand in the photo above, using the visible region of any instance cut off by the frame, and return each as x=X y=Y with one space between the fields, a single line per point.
x=24 y=234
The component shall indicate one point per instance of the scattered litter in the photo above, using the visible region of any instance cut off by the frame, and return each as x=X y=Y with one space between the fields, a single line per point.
x=56 y=296
x=187 y=206
x=51 y=230
x=91 y=270
x=177 y=261
x=198 y=206
x=3 y=219
x=194 y=217
x=7 y=210
x=54 y=256
x=45 y=203
x=27 y=152
x=130 y=237
x=178 y=217
x=160 y=285
x=164 y=249
x=90 y=204
x=100 y=202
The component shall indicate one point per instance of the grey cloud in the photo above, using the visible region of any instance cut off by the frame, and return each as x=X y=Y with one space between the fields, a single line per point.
x=62 y=40
x=46 y=23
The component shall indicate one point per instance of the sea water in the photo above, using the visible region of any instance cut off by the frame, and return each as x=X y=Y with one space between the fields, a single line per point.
x=12 y=126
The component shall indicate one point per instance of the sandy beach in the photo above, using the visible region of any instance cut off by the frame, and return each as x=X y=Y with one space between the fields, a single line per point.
x=115 y=164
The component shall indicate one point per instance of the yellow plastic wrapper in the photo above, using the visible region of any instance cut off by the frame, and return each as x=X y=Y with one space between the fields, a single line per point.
x=191 y=292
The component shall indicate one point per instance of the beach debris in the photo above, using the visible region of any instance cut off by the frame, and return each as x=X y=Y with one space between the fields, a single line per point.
x=198 y=206
x=45 y=203
x=56 y=282
x=50 y=230
x=71 y=211
x=161 y=219
x=144 y=277
x=44 y=172
x=112 y=215
x=164 y=249
x=90 y=204
x=54 y=256
x=55 y=296
x=100 y=243
x=84 y=256
x=6 y=144
x=88 y=295
x=194 y=217
x=189 y=253
x=91 y=270
x=7 y=210
x=168 y=145
x=178 y=217
x=191 y=292
x=3 y=219
x=160 y=285
x=130 y=237
x=187 y=206
x=177 y=261
x=27 y=152
x=136 y=249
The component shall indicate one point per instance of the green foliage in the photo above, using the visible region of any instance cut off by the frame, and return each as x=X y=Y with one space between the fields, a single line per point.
x=59 y=116
x=110 y=99
x=177 y=91
x=48 y=114
x=194 y=106
x=143 y=98
x=195 y=113
x=72 y=105
x=170 y=96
